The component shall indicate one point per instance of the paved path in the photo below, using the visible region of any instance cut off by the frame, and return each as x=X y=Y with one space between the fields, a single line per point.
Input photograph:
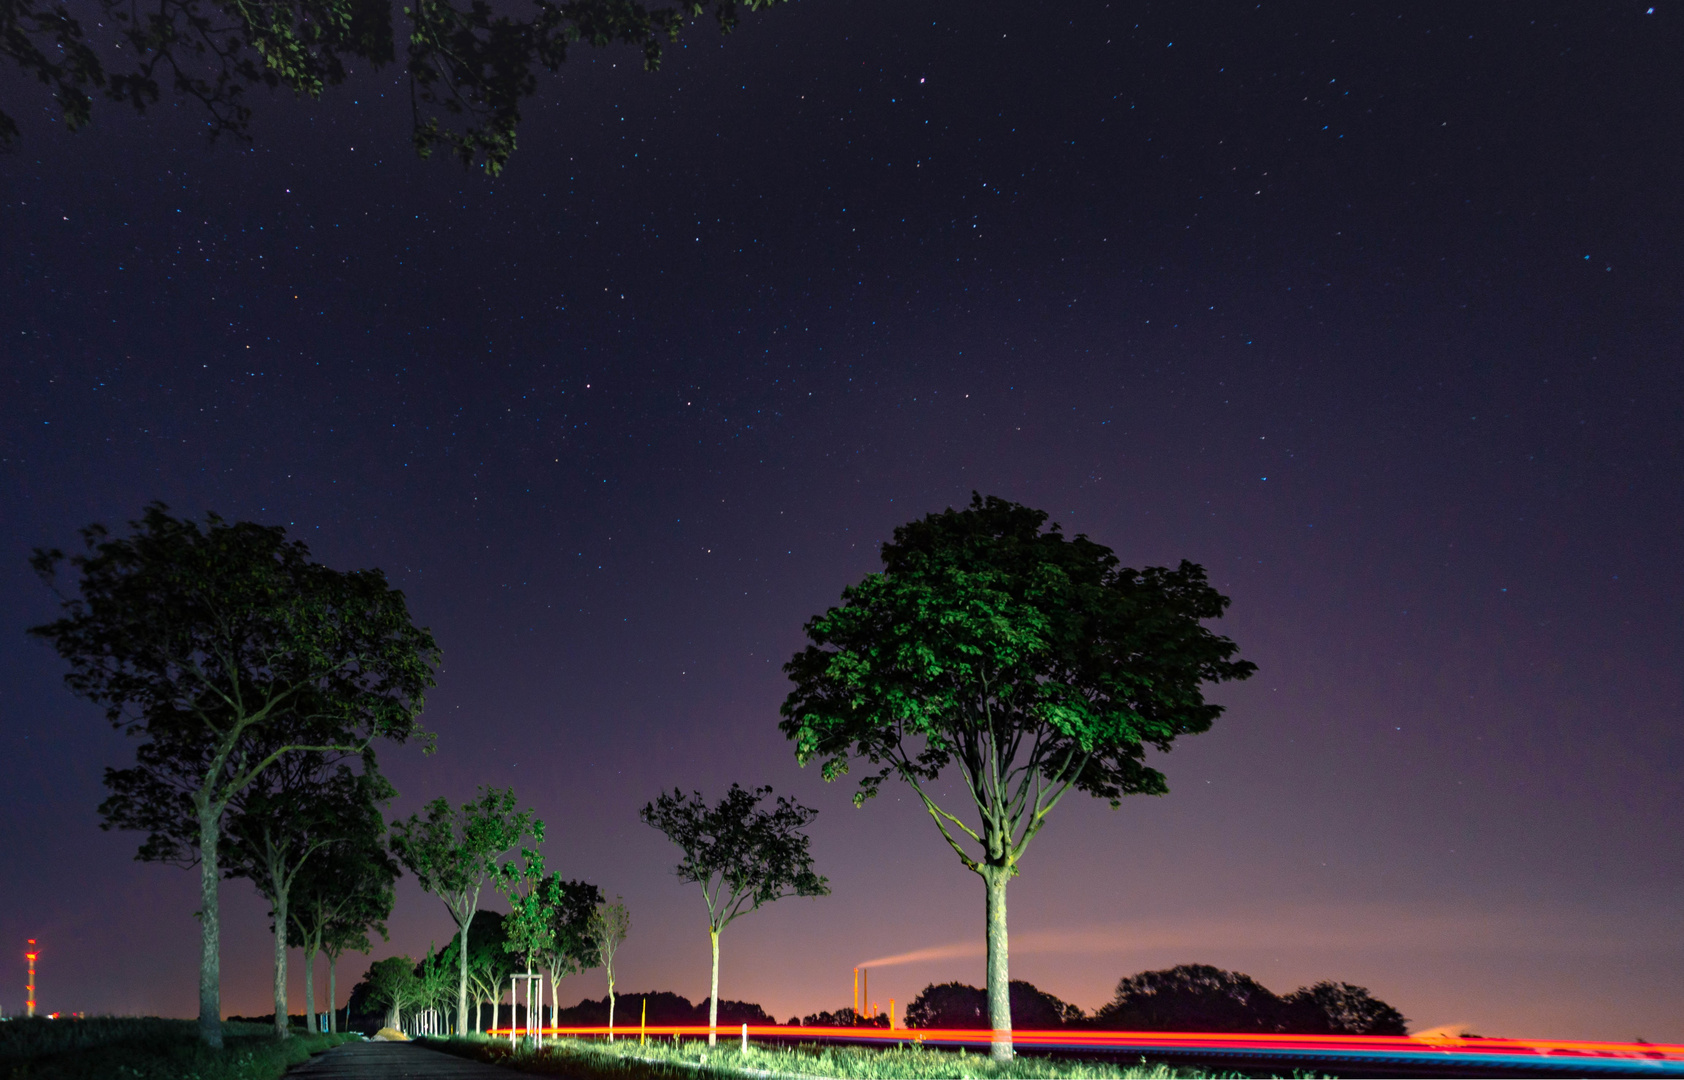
x=393 y=1061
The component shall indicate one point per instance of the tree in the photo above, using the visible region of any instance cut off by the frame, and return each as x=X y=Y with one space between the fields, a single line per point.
x=605 y=929
x=957 y=1005
x=548 y=916
x=295 y=809
x=393 y=982
x=741 y=856
x=1033 y=664
x=225 y=649
x=1330 y=1008
x=489 y=961
x=453 y=853
x=1191 y=997
x=342 y=893
x=569 y=905
x=468 y=64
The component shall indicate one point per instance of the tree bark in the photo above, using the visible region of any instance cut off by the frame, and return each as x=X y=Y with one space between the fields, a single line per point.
x=999 y=977
x=611 y=998
x=713 y=1001
x=332 y=997
x=281 y=1027
x=210 y=927
x=462 y=981
x=310 y=989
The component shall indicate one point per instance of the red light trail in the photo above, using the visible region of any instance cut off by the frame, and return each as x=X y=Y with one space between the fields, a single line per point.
x=1439 y=1054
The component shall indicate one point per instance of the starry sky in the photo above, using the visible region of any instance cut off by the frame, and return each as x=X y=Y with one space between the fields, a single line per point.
x=1373 y=314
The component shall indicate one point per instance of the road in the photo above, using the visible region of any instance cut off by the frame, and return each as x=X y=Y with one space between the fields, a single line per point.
x=393 y=1061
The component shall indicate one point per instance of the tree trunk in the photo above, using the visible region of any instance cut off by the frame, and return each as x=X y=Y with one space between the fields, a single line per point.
x=310 y=988
x=713 y=1002
x=611 y=998
x=210 y=928
x=462 y=980
x=281 y=1028
x=332 y=997
x=999 y=978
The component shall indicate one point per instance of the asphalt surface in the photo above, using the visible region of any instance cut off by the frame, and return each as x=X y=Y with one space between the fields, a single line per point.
x=393 y=1061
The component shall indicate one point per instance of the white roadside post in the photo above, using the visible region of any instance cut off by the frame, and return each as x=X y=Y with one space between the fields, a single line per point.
x=745 y=1038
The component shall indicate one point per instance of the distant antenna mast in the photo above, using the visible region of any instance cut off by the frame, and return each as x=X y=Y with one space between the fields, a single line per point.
x=29 y=995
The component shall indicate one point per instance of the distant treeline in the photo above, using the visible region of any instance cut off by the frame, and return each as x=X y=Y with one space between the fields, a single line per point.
x=1191 y=997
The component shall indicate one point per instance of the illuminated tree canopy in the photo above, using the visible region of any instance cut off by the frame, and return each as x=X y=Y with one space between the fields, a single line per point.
x=1030 y=664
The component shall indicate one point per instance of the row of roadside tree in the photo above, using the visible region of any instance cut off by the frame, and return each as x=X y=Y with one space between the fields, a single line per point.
x=991 y=650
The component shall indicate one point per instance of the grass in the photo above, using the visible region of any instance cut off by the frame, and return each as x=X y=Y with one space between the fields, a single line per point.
x=148 y=1048
x=691 y=1060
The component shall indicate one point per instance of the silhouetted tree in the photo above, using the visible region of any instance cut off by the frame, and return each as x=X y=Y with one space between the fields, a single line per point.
x=1330 y=1008
x=1191 y=997
x=843 y=1017
x=225 y=649
x=958 y=1005
x=1032 y=663
x=342 y=894
x=295 y=810
x=741 y=855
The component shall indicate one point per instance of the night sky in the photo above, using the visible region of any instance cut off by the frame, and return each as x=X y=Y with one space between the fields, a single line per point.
x=1376 y=315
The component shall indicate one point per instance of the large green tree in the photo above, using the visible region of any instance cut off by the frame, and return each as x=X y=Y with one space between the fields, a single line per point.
x=225 y=649
x=741 y=855
x=299 y=807
x=455 y=852
x=343 y=891
x=470 y=65
x=1029 y=663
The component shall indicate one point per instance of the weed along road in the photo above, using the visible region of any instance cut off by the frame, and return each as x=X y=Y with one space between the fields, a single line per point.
x=393 y=1061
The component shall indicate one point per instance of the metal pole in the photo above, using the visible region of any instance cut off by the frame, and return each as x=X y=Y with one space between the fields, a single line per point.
x=856 y=991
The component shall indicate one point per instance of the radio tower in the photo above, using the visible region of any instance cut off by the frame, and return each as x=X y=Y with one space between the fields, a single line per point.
x=29 y=998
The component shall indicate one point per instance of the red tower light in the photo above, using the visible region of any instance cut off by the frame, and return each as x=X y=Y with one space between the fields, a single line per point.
x=29 y=996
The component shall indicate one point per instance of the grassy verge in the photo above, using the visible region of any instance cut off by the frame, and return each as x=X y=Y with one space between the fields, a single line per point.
x=594 y=1060
x=147 y=1048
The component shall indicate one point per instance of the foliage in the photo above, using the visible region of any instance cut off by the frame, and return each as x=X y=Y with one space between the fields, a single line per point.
x=147 y=1048
x=548 y=917
x=627 y=1060
x=1031 y=663
x=225 y=649
x=1190 y=997
x=957 y=1005
x=470 y=66
x=394 y=983
x=453 y=853
x=843 y=1017
x=1330 y=1008
x=490 y=962
x=295 y=810
x=741 y=855
x=605 y=929
x=1198 y=997
x=346 y=889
